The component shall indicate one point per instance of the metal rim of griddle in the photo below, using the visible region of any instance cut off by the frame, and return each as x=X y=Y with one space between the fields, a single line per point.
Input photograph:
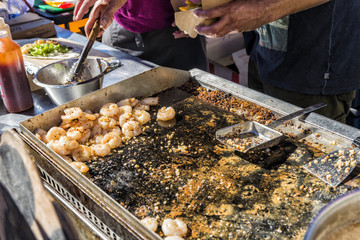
x=73 y=204
x=210 y=82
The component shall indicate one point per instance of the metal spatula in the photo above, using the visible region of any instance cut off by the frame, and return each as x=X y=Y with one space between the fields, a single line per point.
x=250 y=136
x=335 y=167
x=75 y=73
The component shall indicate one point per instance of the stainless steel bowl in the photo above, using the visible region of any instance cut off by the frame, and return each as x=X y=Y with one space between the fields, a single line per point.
x=53 y=79
x=341 y=213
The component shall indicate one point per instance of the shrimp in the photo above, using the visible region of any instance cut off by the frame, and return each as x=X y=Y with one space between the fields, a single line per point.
x=101 y=149
x=109 y=110
x=173 y=238
x=58 y=147
x=90 y=116
x=116 y=130
x=67 y=123
x=112 y=139
x=141 y=106
x=55 y=133
x=40 y=41
x=129 y=101
x=165 y=113
x=175 y=227
x=125 y=118
x=150 y=223
x=75 y=133
x=72 y=113
x=82 y=153
x=107 y=122
x=142 y=116
x=80 y=166
x=98 y=138
x=63 y=146
x=25 y=48
x=86 y=136
x=95 y=130
x=151 y=101
x=41 y=134
x=131 y=129
x=124 y=109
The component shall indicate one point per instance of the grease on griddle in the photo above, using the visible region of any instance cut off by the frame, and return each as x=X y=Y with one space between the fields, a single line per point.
x=184 y=172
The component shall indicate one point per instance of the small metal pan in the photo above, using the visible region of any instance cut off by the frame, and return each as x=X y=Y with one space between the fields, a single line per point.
x=333 y=168
x=251 y=136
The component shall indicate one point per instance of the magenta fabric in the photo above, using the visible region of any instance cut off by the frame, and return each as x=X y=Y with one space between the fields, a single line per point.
x=141 y=16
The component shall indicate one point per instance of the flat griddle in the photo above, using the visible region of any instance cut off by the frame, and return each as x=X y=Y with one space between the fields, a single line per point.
x=182 y=171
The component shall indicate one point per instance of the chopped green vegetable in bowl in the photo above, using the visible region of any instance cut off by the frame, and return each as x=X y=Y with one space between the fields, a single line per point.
x=46 y=49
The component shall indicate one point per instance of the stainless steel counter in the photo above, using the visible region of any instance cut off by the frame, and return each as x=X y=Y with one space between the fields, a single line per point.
x=130 y=66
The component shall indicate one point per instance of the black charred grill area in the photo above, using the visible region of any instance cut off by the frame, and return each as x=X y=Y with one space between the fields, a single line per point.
x=179 y=170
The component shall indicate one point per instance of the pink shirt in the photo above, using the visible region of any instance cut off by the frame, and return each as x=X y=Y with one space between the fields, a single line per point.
x=141 y=16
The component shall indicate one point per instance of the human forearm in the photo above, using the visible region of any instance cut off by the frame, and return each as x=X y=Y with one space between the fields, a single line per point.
x=245 y=15
x=275 y=9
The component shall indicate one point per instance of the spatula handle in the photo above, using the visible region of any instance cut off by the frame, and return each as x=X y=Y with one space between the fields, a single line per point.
x=296 y=114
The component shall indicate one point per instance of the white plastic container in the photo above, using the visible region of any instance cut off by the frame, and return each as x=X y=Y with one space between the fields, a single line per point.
x=5 y=27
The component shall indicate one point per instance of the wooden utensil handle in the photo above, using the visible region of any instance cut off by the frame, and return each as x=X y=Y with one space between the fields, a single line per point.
x=95 y=30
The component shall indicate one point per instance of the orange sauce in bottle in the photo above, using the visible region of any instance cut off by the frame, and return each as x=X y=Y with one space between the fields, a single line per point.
x=14 y=84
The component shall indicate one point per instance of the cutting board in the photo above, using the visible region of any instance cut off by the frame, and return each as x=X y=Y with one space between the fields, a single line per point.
x=33 y=65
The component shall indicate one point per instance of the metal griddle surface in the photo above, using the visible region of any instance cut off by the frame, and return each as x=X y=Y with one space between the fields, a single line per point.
x=183 y=171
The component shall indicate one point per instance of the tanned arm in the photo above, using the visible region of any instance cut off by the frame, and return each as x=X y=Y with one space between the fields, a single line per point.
x=246 y=15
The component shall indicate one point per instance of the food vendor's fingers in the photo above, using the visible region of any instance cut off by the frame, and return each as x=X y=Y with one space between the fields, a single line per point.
x=180 y=34
x=81 y=8
x=95 y=14
x=218 y=29
x=213 y=12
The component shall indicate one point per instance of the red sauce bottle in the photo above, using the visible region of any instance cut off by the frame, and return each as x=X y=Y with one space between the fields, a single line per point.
x=14 y=84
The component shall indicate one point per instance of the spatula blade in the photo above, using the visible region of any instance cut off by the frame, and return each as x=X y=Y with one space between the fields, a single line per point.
x=335 y=167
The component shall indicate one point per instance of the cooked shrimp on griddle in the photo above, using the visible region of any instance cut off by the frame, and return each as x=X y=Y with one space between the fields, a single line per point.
x=72 y=113
x=142 y=116
x=75 y=133
x=151 y=223
x=82 y=153
x=90 y=116
x=63 y=146
x=125 y=109
x=80 y=166
x=125 y=118
x=116 y=130
x=107 y=122
x=151 y=101
x=85 y=136
x=101 y=149
x=131 y=129
x=112 y=139
x=165 y=113
x=128 y=101
x=141 y=106
x=175 y=227
x=55 y=133
x=109 y=110
x=41 y=134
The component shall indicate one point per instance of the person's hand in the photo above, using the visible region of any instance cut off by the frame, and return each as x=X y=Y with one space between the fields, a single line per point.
x=179 y=33
x=103 y=9
x=238 y=16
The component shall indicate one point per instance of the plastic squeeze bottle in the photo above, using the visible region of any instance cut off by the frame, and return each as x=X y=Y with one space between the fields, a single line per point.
x=14 y=84
x=5 y=27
